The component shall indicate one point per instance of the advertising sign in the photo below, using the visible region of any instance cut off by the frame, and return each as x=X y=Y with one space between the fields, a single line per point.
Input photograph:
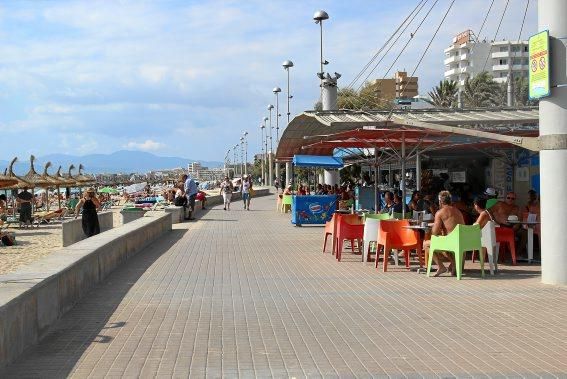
x=539 y=65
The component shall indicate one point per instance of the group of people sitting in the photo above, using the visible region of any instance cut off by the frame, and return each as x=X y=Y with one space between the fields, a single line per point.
x=448 y=216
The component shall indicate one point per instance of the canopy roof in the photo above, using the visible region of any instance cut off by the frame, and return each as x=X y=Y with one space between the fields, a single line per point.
x=34 y=178
x=321 y=132
x=317 y=161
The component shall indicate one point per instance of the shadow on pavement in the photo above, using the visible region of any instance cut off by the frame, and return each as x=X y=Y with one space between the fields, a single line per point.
x=57 y=354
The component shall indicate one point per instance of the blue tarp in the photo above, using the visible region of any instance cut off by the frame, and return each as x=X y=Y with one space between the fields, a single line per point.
x=317 y=161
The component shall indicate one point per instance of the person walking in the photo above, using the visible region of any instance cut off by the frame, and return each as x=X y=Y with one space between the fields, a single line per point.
x=226 y=189
x=191 y=190
x=24 y=201
x=90 y=204
x=245 y=191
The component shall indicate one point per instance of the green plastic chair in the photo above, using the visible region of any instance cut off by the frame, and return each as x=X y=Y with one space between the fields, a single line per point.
x=377 y=216
x=286 y=200
x=490 y=203
x=463 y=238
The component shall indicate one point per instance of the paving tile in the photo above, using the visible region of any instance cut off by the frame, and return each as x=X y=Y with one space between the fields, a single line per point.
x=247 y=294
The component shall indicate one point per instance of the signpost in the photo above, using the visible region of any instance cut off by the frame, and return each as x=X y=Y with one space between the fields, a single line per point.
x=539 y=65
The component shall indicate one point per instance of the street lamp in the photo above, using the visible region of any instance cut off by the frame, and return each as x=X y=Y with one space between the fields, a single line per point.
x=287 y=65
x=241 y=155
x=268 y=169
x=271 y=176
x=235 y=163
x=319 y=16
x=262 y=127
x=226 y=162
x=276 y=92
x=245 y=153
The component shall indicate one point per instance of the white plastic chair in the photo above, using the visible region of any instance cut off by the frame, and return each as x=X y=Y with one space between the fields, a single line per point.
x=488 y=241
x=371 y=227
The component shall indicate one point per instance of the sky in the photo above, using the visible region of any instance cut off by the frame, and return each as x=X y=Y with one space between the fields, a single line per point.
x=187 y=78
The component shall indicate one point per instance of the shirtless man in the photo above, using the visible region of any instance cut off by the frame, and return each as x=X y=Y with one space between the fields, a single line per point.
x=502 y=210
x=446 y=219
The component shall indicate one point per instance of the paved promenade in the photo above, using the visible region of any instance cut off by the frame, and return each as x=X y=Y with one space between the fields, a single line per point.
x=246 y=294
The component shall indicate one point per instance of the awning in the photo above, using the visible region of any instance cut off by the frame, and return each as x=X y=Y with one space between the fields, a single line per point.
x=317 y=161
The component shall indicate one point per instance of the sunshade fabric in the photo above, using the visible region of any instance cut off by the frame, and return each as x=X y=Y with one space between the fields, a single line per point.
x=317 y=161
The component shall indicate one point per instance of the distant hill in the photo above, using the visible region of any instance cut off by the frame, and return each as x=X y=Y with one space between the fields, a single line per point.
x=124 y=161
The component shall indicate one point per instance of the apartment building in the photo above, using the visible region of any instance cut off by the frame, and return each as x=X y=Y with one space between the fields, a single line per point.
x=400 y=86
x=467 y=57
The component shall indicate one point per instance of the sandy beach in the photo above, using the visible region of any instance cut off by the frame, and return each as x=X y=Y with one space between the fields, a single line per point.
x=34 y=243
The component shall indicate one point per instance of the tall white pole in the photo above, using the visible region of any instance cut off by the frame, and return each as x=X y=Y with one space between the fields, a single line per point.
x=553 y=141
x=277 y=92
x=270 y=163
x=263 y=155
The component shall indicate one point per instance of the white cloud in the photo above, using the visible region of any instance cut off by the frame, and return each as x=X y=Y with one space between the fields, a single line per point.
x=147 y=145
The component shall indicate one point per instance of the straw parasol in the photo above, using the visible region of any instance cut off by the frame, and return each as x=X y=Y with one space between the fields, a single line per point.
x=6 y=181
x=82 y=179
x=53 y=182
x=35 y=179
x=20 y=183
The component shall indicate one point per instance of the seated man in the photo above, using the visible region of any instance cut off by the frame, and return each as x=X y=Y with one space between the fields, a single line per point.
x=389 y=203
x=399 y=204
x=446 y=219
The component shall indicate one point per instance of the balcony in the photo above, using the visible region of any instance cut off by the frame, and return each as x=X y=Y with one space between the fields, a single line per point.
x=500 y=67
x=451 y=59
x=500 y=54
x=465 y=57
x=451 y=72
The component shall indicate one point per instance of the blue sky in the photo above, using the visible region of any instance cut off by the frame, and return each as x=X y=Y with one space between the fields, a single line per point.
x=186 y=78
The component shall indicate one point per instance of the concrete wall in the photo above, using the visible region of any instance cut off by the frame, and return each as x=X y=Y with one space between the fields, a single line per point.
x=177 y=212
x=73 y=230
x=35 y=296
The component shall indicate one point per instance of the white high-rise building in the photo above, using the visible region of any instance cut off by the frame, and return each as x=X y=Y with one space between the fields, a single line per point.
x=466 y=57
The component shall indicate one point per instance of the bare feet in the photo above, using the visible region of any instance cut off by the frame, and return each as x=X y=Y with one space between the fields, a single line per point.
x=441 y=270
x=452 y=270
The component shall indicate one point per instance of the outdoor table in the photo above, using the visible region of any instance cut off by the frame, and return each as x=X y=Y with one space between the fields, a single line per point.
x=531 y=225
x=423 y=233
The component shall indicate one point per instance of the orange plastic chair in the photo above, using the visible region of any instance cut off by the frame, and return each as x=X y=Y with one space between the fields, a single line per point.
x=348 y=227
x=506 y=235
x=393 y=235
x=330 y=231
x=331 y=228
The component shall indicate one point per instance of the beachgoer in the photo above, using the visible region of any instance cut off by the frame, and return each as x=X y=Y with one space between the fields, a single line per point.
x=277 y=185
x=245 y=191
x=446 y=219
x=484 y=214
x=533 y=203
x=191 y=190
x=389 y=203
x=90 y=204
x=24 y=200
x=226 y=189
x=399 y=204
x=3 y=209
x=202 y=197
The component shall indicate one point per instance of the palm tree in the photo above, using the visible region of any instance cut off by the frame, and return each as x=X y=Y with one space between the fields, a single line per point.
x=482 y=91
x=366 y=98
x=444 y=95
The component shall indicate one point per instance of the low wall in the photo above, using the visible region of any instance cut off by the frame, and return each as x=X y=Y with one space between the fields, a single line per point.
x=35 y=296
x=73 y=229
x=177 y=212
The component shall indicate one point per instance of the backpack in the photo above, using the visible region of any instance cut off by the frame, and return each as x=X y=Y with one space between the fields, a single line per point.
x=7 y=240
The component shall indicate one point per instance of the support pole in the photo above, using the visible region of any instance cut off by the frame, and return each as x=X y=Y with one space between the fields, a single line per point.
x=288 y=174
x=418 y=171
x=403 y=176
x=552 y=131
x=375 y=180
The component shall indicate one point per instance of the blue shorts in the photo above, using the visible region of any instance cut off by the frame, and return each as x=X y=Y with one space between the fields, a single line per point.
x=245 y=196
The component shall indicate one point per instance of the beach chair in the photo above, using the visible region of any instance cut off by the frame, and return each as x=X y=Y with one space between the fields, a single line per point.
x=46 y=216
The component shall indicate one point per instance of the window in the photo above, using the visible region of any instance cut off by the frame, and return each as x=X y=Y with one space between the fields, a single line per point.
x=503 y=74
x=516 y=61
x=515 y=48
x=526 y=48
x=504 y=48
x=503 y=61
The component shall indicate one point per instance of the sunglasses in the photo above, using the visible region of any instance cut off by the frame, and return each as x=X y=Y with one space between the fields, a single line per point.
x=510 y=198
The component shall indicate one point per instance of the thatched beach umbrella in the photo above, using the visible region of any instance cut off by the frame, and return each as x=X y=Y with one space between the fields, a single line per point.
x=35 y=179
x=54 y=182
x=6 y=181
x=83 y=179
x=20 y=183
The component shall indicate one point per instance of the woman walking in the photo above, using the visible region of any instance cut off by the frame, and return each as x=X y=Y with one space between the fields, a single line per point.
x=90 y=204
x=226 y=191
x=245 y=190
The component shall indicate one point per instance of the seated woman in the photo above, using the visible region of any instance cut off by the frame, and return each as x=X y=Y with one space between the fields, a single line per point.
x=302 y=190
x=484 y=214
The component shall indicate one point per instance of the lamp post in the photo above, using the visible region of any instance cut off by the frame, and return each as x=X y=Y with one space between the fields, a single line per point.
x=241 y=155
x=262 y=127
x=276 y=92
x=270 y=156
x=268 y=168
x=226 y=162
x=287 y=65
x=245 y=135
x=319 y=16
x=235 y=162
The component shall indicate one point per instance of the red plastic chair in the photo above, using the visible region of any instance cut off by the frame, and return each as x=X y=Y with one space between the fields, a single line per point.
x=506 y=235
x=348 y=227
x=331 y=228
x=393 y=235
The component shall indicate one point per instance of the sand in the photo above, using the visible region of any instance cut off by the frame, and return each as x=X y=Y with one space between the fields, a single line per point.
x=37 y=242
